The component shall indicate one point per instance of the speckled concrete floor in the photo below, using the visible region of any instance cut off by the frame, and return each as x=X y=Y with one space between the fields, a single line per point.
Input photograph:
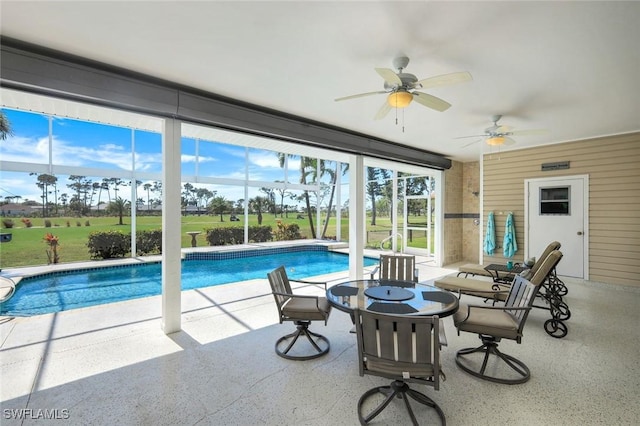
x=112 y=364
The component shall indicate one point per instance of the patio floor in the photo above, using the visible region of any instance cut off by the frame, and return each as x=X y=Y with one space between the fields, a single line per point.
x=112 y=364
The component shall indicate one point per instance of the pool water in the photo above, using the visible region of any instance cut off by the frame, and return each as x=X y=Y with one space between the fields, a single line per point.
x=64 y=291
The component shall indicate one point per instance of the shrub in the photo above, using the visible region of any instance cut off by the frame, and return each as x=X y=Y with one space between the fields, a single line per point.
x=235 y=235
x=108 y=244
x=52 y=252
x=286 y=232
x=68 y=224
x=47 y=223
x=7 y=223
x=87 y=223
x=149 y=242
x=260 y=234
x=219 y=236
x=78 y=223
x=27 y=222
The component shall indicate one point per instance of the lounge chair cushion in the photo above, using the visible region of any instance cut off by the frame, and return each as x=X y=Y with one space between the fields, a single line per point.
x=474 y=269
x=470 y=286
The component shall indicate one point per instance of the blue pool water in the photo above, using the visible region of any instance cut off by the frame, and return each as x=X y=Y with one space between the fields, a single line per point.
x=63 y=291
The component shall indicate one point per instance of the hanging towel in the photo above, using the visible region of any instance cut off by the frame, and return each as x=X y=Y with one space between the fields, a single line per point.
x=490 y=237
x=509 y=246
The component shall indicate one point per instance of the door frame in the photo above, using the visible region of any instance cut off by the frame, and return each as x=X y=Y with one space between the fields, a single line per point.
x=585 y=214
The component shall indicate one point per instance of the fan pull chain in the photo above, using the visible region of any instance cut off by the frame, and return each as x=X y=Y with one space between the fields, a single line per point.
x=403 y=120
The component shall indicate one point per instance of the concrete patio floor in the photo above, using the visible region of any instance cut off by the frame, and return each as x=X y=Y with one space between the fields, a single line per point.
x=112 y=364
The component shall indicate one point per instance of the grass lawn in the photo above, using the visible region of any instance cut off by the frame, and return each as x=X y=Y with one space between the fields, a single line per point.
x=27 y=246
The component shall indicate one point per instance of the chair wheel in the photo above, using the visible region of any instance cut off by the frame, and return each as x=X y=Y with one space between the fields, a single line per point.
x=555 y=328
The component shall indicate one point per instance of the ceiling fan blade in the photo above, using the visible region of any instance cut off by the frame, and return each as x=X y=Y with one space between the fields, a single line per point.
x=383 y=111
x=529 y=132
x=389 y=76
x=431 y=101
x=359 y=95
x=508 y=141
x=470 y=136
x=471 y=143
x=444 y=80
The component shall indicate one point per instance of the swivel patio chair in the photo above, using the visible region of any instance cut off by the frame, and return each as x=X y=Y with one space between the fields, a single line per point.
x=301 y=310
x=405 y=349
x=492 y=324
x=396 y=267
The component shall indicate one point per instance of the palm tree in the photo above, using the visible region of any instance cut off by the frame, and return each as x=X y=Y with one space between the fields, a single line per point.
x=5 y=126
x=333 y=174
x=219 y=205
x=119 y=207
x=308 y=167
x=257 y=204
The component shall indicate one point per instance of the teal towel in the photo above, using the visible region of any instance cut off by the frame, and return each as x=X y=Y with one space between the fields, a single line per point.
x=509 y=246
x=490 y=237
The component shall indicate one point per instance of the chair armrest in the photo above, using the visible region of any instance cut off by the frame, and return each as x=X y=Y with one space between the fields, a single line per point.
x=375 y=270
x=310 y=282
x=499 y=308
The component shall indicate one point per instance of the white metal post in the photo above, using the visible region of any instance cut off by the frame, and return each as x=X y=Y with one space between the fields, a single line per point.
x=171 y=227
x=356 y=217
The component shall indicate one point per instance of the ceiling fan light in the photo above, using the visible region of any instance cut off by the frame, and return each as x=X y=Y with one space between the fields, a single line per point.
x=400 y=99
x=495 y=140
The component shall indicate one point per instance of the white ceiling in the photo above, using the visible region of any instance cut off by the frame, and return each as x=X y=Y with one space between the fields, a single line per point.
x=569 y=67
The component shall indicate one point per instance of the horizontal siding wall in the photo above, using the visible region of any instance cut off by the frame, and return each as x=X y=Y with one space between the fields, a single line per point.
x=613 y=166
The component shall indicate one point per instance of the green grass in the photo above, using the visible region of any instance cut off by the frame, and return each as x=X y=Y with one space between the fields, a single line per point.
x=27 y=247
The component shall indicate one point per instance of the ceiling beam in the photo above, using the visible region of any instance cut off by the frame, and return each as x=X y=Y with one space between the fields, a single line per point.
x=37 y=69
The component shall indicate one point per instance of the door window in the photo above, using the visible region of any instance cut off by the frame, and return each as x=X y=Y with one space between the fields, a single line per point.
x=555 y=201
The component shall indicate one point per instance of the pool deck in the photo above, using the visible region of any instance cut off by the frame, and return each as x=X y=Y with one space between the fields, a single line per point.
x=113 y=364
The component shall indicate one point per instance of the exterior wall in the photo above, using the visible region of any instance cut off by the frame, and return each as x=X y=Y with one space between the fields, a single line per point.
x=461 y=213
x=453 y=233
x=471 y=212
x=613 y=166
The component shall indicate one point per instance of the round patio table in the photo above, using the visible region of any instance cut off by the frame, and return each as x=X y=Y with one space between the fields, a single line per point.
x=392 y=297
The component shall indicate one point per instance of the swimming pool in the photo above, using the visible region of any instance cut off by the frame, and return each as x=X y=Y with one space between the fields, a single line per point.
x=62 y=291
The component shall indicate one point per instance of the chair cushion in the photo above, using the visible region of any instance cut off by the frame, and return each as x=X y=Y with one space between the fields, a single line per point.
x=493 y=322
x=306 y=308
x=474 y=269
x=394 y=369
x=470 y=286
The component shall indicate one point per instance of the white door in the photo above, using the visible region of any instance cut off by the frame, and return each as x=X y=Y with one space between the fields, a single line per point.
x=557 y=210
x=418 y=225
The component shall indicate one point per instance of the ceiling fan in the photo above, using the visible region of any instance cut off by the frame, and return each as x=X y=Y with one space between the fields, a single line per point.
x=401 y=88
x=499 y=134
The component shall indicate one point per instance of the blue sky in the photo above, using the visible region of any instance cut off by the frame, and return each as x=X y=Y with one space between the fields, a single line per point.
x=92 y=145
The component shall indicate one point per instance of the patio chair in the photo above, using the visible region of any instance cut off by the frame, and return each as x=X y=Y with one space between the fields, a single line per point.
x=403 y=348
x=396 y=267
x=301 y=310
x=492 y=324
